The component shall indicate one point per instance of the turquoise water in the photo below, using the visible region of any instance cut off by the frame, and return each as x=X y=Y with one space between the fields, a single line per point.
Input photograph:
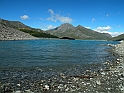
x=52 y=54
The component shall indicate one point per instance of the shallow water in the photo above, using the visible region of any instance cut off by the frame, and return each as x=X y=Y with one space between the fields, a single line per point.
x=52 y=53
x=33 y=64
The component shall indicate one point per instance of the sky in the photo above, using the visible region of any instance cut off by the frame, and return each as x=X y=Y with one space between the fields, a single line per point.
x=105 y=16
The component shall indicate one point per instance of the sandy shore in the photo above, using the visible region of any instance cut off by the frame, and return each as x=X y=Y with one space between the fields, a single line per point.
x=107 y=80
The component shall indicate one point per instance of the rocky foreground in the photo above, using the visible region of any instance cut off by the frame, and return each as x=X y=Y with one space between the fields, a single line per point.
x=107 y=80
x=7 y=33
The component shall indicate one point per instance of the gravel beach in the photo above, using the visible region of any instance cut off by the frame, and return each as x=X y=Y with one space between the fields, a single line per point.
x=107 y=80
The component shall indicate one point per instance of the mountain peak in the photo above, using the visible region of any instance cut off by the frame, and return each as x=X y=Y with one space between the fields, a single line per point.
x=79 y=26
x=79 y=32
x=65 y=27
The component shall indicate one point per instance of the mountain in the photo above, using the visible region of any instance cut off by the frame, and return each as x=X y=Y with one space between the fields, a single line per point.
x=79 y=32
x=15 y=30
x=7 y=33
x=118 y=38
x=13 y=24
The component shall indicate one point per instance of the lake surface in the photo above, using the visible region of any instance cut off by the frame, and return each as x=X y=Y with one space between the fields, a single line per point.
x=52 y=54
x=46 y=66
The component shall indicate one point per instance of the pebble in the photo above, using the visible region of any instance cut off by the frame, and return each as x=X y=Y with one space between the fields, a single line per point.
x=37 y=81
x=19 y=85
x=98 y=82
x=47 y=87
x=103 y=73
x=17 y=91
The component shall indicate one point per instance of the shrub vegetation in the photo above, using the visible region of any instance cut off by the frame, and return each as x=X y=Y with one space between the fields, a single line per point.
x=39 y=34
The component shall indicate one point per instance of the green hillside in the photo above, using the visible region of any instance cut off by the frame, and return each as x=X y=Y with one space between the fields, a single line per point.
x=39 y=34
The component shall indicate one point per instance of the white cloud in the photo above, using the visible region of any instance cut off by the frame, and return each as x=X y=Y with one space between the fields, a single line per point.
x=87 y=27
x=25 y=17
x=51 y=11
x=106 y=30
x=93 y=19
x=114 y=33
x=57 y=17
x=50 y=27
x=47 y=27
x=64 y=19
x=101 y=29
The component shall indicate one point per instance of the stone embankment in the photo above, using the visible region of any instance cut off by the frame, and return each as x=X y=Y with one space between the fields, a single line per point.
x=7 y=33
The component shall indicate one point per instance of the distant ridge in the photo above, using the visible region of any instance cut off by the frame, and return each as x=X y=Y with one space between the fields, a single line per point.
x=79 y=32
x=118 y=38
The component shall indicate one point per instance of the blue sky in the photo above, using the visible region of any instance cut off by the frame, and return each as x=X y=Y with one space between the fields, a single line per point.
x=100 y=15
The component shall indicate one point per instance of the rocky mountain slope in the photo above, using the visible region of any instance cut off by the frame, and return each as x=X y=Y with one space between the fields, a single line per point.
x=79 y=32
x=15 y=30
x=7 y=33
x=118 y=38
x=9 y=30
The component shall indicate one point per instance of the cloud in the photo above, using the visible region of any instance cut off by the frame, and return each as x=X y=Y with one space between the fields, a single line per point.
x=87 y=27
x=57 y=17
x=106 y=30
x=101 y=29
x=47 y=27
x=107 y=15
x=50 y=27
x=41 y=18
x=25 y=17
x=114 y=33
x=93 y=19
x=51 y=11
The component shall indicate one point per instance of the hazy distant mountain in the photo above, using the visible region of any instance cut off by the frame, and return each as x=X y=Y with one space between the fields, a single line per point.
x=79 y=32
x=118 y=38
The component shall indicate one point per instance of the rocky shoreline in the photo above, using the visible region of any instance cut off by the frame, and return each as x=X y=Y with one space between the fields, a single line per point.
x=107 y=80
